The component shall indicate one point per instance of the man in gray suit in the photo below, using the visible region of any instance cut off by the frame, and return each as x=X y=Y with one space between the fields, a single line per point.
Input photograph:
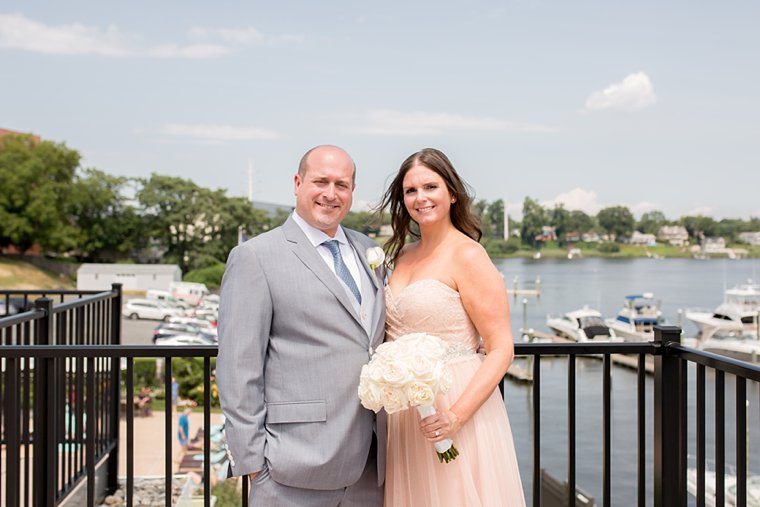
x=301 y=311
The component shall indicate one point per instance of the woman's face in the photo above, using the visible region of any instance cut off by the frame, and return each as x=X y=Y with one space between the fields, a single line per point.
x=426 y=196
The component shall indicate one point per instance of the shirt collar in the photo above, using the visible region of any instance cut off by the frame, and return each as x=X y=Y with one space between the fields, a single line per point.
x=316 y=236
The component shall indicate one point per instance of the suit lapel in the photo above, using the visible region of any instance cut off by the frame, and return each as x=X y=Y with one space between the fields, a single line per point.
x=307 y=253
x=377 y=314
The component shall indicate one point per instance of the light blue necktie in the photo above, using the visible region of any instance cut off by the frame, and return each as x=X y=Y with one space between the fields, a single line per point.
x=341 y=269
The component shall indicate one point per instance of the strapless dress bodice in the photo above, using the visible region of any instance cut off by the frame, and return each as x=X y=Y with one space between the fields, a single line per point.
x=429 y=306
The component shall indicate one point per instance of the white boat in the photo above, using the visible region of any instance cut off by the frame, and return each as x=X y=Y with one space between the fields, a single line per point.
x=636 y=320
x=737 y=314
x=753 y=488
x=737 y=344
x=581 y=326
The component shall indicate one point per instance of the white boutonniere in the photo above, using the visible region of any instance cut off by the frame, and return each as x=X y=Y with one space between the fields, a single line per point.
x=375 y=256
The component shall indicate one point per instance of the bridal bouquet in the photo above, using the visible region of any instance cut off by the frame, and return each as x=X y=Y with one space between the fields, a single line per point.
x=408 y=372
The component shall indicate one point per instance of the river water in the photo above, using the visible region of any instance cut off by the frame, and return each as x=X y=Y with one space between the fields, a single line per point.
x=602 y=284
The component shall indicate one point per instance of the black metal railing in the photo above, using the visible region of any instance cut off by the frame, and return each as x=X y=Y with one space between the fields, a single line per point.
x=62 y=457
x=59 y=414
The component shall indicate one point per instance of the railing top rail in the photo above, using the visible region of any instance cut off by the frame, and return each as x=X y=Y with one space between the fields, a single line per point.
x=723 y=363
x=92 y=298
x=115 y=351
x=20 y=318
x=588 y=348
x=41 y=292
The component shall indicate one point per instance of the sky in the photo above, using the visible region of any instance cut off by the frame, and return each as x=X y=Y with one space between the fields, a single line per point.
x=592 y=103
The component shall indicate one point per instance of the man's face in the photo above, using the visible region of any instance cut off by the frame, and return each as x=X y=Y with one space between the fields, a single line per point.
x=325 y=191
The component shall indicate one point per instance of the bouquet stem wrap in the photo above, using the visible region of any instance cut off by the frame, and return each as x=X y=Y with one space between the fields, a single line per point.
x=445 y=448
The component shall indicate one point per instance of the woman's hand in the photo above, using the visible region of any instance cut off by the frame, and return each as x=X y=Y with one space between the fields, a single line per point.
x=441 y=425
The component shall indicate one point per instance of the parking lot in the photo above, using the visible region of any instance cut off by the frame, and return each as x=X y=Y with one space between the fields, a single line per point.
x=137 y=332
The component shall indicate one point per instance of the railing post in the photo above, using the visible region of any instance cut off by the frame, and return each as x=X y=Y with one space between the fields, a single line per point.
x=669 y=421
x=44 y=438
x=112 y=483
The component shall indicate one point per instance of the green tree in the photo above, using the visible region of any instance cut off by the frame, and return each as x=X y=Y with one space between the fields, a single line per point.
x=36 y=179
x=559 y=220
x=651 y=222
x=700 y=226
x=616 y=221
x=363 y=221
x=578 y=221
x=534 y=218
x=197 y=226
x=108 y=227
x=496 y=219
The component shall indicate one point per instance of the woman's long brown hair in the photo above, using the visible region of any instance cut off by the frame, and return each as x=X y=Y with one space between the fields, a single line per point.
x=461 y=213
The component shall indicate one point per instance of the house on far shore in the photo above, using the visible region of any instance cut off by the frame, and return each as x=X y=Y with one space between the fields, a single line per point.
x=752 y=238
x=676 y=235
x=642 y=239
x=133 y=277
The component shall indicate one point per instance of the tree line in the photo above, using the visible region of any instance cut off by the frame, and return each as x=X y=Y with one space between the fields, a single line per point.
x=617 y=223
x=47 y=198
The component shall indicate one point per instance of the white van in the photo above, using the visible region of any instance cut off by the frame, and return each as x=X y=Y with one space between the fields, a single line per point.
x=190 y=292
x=166 y=297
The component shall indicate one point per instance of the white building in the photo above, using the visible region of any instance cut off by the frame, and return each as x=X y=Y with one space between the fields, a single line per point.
x=641 y=239
x=752 y=238
x=676 y=235
x=134 y=277
x=714 y=246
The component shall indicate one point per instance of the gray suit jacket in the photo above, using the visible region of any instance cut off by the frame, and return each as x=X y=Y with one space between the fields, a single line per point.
x=291 y=347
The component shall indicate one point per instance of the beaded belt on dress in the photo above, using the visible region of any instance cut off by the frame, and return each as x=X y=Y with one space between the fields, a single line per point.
x=457 y=350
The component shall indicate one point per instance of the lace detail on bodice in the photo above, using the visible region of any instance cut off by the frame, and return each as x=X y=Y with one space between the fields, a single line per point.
x=430 y=306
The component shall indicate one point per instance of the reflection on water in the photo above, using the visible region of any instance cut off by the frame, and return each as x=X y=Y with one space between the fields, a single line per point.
x=602 y=284
x=624 y=431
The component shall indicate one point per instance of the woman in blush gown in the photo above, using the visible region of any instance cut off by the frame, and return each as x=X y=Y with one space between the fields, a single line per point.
x=445 y=284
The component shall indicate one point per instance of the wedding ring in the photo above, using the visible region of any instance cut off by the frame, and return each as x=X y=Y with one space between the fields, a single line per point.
x=437 y=433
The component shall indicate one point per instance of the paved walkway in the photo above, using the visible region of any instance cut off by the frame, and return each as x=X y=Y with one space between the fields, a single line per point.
x=149 y=442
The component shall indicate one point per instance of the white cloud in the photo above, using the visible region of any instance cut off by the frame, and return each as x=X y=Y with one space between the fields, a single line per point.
x=242 y=36
x=217 y=133
x=704 y=211
x=633 y=93
x=418 y=123
x=577 y=199
x=191 y=51
x=642 y=207
x=20 y=32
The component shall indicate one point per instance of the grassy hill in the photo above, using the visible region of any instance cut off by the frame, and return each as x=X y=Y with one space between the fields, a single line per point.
x=22 y=275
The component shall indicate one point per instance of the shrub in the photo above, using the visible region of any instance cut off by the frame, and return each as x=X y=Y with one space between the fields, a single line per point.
x=211 y=275
x=144 y=372
x=188 y=371
x=608 y=247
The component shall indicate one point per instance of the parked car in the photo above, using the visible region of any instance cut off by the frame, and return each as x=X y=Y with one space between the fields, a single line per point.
x=170 y=329
x=10 y=309
x=185 y=339
x=166 y=297
x=148 y=309
x=203 y=324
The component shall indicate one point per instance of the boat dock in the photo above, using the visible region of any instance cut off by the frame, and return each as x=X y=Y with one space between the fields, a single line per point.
x=519 y=374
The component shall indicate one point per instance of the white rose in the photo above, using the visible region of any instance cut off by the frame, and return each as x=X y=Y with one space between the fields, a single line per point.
x=396 y=373
x=369 y=394
x=375 y=256
x=419 y=393
x=394 y=399
x=422 y=367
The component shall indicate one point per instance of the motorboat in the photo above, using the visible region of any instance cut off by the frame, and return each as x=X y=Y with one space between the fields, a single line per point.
x=753 y=488
x=741 y=345
x=581 y=326
x=637 y=319
x=737 y=314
